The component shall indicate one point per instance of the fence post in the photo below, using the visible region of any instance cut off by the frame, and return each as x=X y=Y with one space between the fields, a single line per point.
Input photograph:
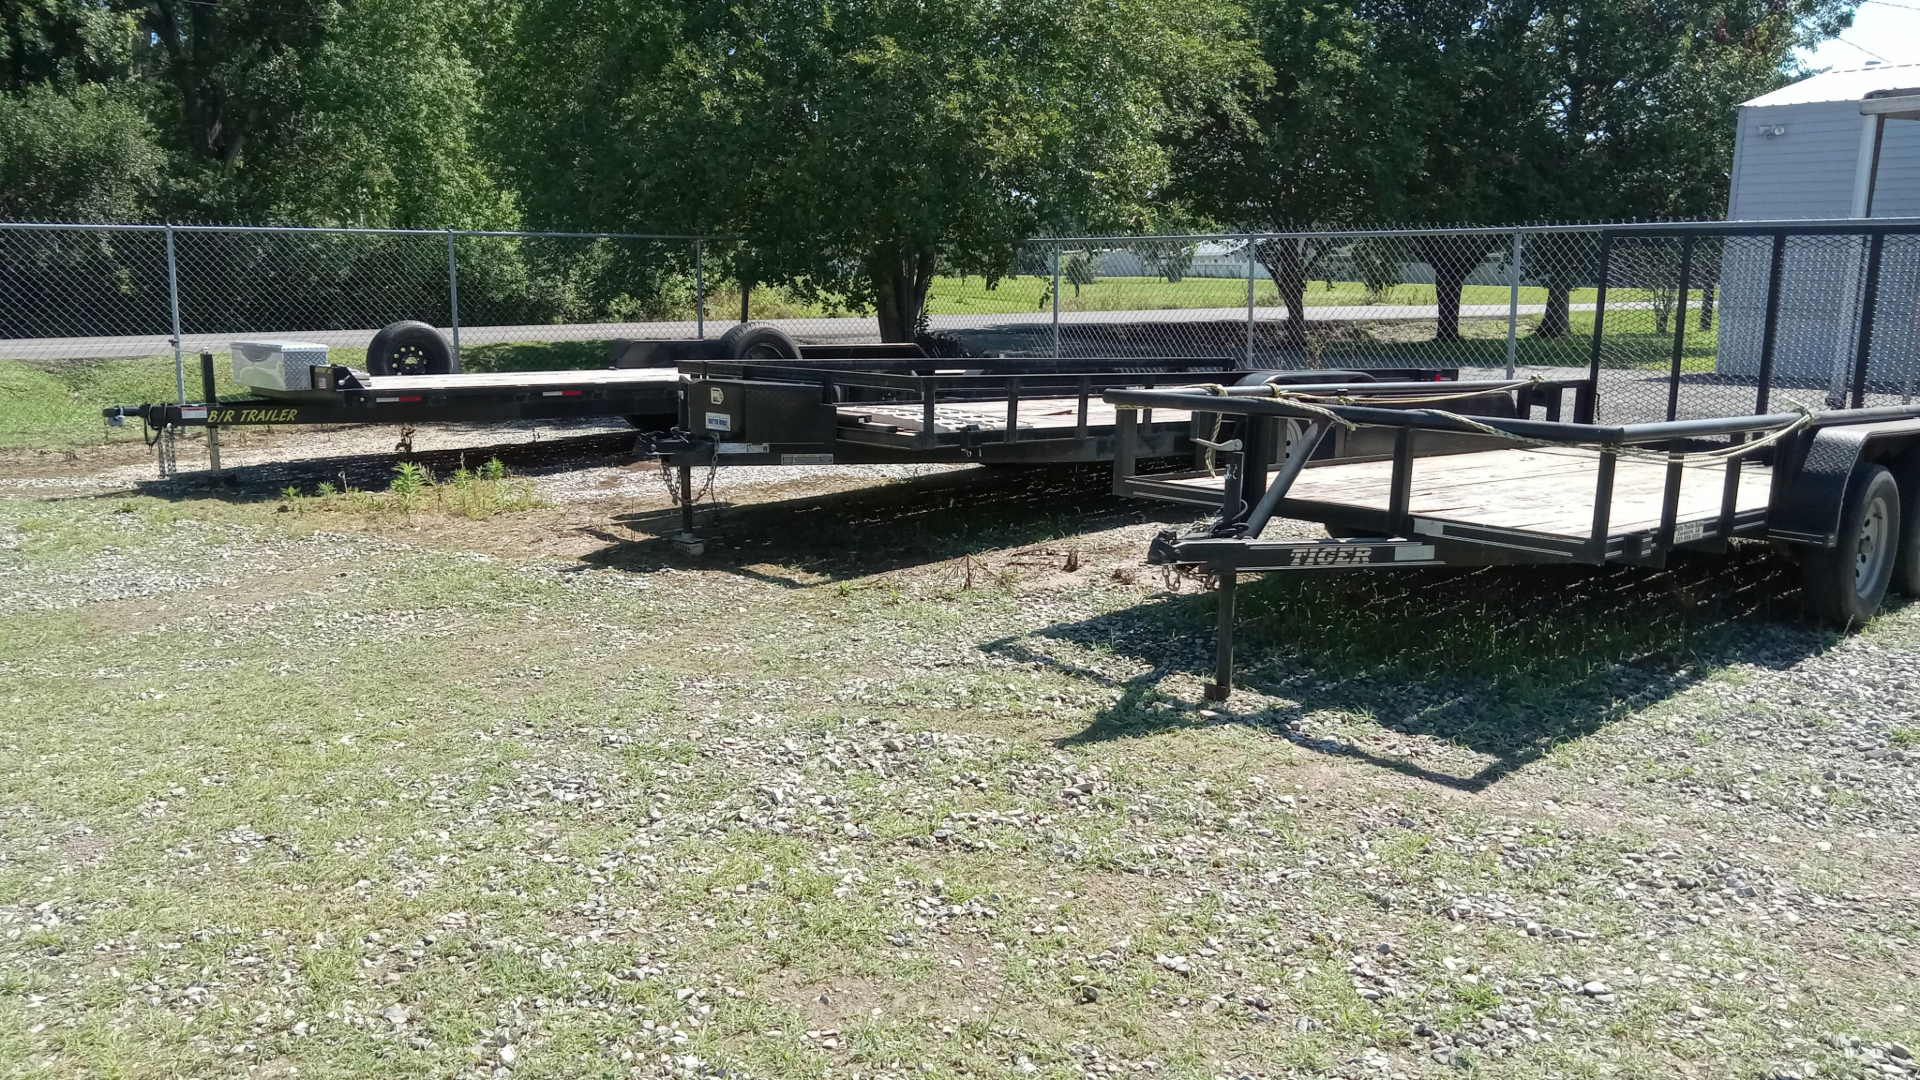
x=453 y=300
x=1513 y=303
x=1056 y=301
x=1769 y=329
x=1869 y=299
x=699 y=292
x=173 y=296
x=1599 y=319
x=1680 y=326
x=1250 y=271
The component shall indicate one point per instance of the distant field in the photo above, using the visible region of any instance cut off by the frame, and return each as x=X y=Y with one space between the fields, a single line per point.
x=971 y=296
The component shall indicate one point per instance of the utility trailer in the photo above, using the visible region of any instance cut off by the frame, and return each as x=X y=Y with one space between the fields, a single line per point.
x=1497 y=472
x=750 y=397
x=292 y=383
x=1442 y=488
x=991 y=411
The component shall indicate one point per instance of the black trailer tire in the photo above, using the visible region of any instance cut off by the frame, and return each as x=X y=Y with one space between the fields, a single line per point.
x=1844 y=584
x=409 y=348
x=757 y=341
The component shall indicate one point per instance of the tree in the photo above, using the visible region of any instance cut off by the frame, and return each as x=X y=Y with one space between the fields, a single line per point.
x=83 y=155
x=1310 y=140
x=1637 y=104
x=61 y=43
x=861 y=146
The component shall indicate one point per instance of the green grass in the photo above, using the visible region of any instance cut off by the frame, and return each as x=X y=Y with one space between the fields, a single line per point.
x=312 y=775
x=957 y=295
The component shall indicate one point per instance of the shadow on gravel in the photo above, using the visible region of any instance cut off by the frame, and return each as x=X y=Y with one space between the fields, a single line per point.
x=1502 y=663
x=374 y=472
x=886 y=527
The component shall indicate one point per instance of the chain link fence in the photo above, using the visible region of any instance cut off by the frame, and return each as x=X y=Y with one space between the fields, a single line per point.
x=1673 y=319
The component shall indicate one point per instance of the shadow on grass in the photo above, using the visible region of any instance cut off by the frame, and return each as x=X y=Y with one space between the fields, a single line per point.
x=886 y=527
x=1503 y=664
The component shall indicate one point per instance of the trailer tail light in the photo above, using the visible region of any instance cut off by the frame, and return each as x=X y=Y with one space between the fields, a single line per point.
x=560 y=393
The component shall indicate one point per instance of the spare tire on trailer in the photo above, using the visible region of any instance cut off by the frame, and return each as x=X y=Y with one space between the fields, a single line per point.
x=409 y=348
x=758 y=341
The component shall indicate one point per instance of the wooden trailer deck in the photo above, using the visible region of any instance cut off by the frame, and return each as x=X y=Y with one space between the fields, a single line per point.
x=1548 y=491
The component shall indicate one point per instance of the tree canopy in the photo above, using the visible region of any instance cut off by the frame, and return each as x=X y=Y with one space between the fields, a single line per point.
x=856 y=147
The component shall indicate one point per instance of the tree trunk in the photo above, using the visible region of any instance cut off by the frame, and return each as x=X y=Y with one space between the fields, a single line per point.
x=1706 y=307
x=900 y=281
x=1287 y=265
x=1447 y=284
x=1554 y=322
x=1452 y=259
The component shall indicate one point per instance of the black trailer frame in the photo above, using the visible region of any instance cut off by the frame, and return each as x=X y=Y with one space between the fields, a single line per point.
x=878 y=409
x=1815 y=466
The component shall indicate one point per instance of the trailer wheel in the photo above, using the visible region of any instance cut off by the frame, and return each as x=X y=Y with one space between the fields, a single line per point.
x=1845 y=583
x=757 y=341
x=409 y=348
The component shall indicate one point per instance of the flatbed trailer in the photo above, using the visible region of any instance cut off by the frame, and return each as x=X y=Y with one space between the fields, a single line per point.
x=855 y=404
x=1506 y=486
x=991 y=411
x=426 y=399
x=648 y=396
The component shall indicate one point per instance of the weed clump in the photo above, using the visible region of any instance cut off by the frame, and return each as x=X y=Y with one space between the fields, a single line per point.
x=476 y=494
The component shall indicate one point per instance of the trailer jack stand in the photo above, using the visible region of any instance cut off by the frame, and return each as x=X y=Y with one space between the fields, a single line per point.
x=688 y=542
x=1222 y=683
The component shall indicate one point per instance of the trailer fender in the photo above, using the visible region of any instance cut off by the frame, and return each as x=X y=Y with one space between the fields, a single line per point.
x=1807 y=506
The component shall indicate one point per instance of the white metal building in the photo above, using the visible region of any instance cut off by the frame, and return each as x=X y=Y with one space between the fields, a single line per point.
x=1841 y=144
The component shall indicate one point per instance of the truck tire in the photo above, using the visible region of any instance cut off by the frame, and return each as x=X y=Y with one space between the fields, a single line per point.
x=757 y=341
x=409 y=348
x=1844 y=584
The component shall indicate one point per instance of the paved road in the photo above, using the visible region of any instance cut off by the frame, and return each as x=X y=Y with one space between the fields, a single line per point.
x=814 y=330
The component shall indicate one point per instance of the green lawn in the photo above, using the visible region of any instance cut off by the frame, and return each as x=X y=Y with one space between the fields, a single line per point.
x=1014 y=295
x=349 y=799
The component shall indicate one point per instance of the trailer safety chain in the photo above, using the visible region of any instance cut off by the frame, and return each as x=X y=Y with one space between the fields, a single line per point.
x=703 y=492
x=160 y=441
